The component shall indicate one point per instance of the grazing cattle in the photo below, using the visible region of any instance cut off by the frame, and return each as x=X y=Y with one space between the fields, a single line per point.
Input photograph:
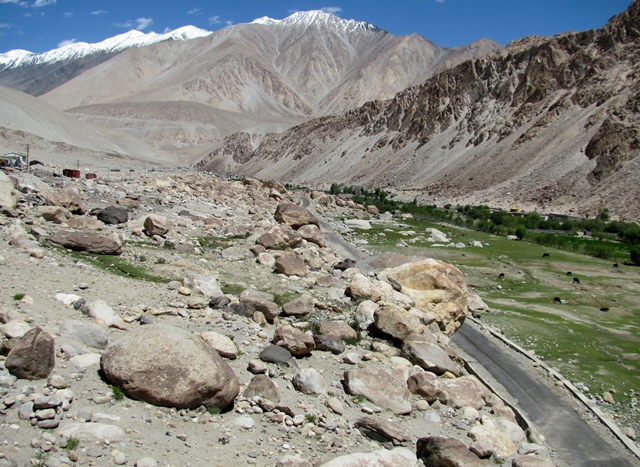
x=557 y=300
x=501 y=275
x=568 y=273
x=545 y=255
x=576 y=280
x=615 y=265
x=604 y=308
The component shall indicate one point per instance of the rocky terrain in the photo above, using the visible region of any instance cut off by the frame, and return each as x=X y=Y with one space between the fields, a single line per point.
x=251 y=341
x=549 y=123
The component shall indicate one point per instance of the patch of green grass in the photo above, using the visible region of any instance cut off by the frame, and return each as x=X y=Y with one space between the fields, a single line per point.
x=232 y=289
x=18 y=296
x=72 y=443
x=283 y=298
x=214 y=242
x=120 y=267
x=309 y=418
x=118 y=393
x=40 y=459
x=213 y=410
x=358 y=398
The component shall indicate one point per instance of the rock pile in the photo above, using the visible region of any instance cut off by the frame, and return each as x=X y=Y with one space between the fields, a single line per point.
x=250 y=341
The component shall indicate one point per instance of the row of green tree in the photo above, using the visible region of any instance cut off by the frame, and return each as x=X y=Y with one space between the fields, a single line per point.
x=613 y=239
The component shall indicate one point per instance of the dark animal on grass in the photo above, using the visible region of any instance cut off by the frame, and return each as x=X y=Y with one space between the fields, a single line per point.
x=501 y=275
x=568 y=273
x=576 y=280
x=604 y=308
x=557 y=300
x=615 y=265
x=545 y=255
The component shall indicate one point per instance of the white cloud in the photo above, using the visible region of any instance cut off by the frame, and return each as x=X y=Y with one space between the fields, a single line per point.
x=194 y=11
x=99 y=12
x=143 y=23
x=439 y=1
x=67 y=42
x=331 y=9
x=9 y=1
x=68 y=14
x=41 y=3
x=139 y=24
x=215 y=20
x=229 y=23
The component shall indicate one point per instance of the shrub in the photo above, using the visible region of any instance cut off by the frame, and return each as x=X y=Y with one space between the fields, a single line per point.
x=72 y=443
x=118 y=393
x=635 y=254
x=18 y=296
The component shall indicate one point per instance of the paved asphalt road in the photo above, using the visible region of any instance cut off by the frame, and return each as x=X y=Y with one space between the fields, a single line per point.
x=575 y=441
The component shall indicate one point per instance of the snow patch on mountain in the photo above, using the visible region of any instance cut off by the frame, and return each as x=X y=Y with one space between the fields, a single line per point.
x=317 y=18
x=15 y=58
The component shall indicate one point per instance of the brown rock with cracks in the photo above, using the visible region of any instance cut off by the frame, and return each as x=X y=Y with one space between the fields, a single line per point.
x=32 y=356
x=290 y=264
x=437 y=451
x=294 y=215
x=382 y=430
x=387 y=389
x=171 y=367
x=425 y=384
x=89 y=242
x=436 y=287
x=395 y=321
x=264 y=387
x=295 y=341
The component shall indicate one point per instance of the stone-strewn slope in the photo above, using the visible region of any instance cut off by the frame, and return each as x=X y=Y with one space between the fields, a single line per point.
x=549 y=122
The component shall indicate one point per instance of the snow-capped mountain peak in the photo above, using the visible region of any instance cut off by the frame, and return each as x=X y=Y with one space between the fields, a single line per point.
x=15 y=58
x=317 y=17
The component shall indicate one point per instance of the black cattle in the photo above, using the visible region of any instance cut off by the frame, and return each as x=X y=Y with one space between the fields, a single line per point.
x=501 y=275
x=557 y=300
x=576 y=280
x=615 y=265
x=568 y=273
x=604 y=308
x=545 y=255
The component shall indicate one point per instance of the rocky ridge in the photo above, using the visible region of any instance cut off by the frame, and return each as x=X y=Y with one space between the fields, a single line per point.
x=548 y=123
x=324 y=365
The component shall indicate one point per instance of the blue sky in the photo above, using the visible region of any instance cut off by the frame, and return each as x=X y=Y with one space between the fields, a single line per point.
x=42 y=25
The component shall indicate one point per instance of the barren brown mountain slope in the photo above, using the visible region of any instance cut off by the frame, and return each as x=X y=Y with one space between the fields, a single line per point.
x=550 y=123
x=55 y=137
x=308 y=65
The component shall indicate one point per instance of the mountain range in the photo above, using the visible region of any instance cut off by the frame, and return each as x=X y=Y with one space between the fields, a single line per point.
x=267 y=75
x=547 y=123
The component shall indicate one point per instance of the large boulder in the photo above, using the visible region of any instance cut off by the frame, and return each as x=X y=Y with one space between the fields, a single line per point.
x=291 y=264
x=110 y=244
x=395 y=321
x=387 y=389
x=436 y=287
x=295 y=341
x=450 y=452
x=423 y=350
x=464 y=391
x=91 y=334
x=171 y=367
x=64 y=197
x=398 y=457
x=294 y=215
x=156 y=225
x=32 y=356
x=280 y=236
x=7 y=192
x=313 y=234
x=113 y=215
